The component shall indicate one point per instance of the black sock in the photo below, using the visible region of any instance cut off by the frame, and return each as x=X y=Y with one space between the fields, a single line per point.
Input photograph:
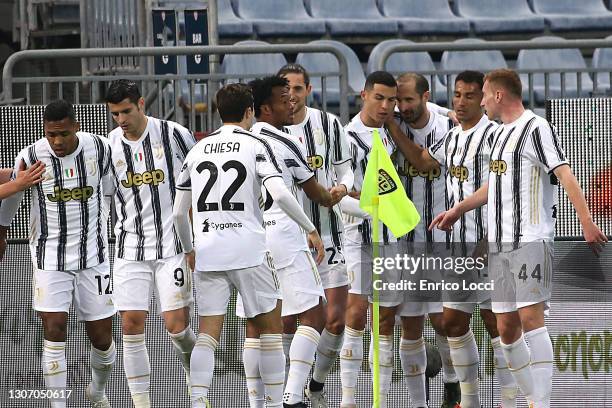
x=315 y=386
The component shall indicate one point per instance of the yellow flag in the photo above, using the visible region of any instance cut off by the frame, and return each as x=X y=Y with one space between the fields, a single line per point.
x=383 y=191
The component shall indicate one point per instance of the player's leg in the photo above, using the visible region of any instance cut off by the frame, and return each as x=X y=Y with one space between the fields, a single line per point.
x=131 y=277
x=93 y=303
x=463 y=350
x=52 y=296
x=540 y=346
x=452 y=390
x=504 y=377
x=290 y=326
x=174 y=291
x=413 y=356
x=213 y=291
x=251 y=355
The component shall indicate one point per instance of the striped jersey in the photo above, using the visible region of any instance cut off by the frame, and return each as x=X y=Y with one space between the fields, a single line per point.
x=284 y=237
x=522 y=196
x=145 y=173
x=224 y=173
x=427 y=190
x=465 y=155
x=67 y=212
x=325 y=142
x=359 y=135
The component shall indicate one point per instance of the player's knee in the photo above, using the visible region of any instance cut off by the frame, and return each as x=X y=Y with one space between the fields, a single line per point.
x=54 y=326
x=490 y=322
x=454 y=328
x=509 y=330
x=335 y=323
x=133 y=323
x=356 y=316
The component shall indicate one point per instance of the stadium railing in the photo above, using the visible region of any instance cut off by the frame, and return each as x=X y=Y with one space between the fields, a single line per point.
x=71 y=86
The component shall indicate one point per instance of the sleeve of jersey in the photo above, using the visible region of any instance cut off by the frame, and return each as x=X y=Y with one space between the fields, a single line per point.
x=341 y=151
x=546 y=149
x=438 y=150
x=183 y=181
x=345 y=174
x=184 y=139
x=108 y=176
x=180 y=213
x=266 y=164
x=432 y=107
x=285 y=200
x=296 y=163
x=10 y=205
x=350 y=206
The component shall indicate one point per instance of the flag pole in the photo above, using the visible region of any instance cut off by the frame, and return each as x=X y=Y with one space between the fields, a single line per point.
x=375 y=295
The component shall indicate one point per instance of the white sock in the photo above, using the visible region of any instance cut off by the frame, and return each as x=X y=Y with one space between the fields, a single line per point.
x=464 y=353
x=518 y=358
x=250 y=360
x=385 y=353
x=272 y=368
x=414 y=361
x=351 y=357
x=54 y=368
x=101 y=363
x=327 y=351
x=202 y=366
x=541 y=365
x=183 y=343
x=448 y=371
x=137 y=368
x=504 y=376
x=301 y=354
x=287 y=340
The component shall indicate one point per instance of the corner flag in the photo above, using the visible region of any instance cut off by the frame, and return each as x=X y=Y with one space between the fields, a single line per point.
x=382 y=191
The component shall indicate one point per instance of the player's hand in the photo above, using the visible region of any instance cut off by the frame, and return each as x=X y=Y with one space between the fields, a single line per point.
x=27 y=178
x=355 y=194
x=3 y=234
x=190 y=259
x=445 y=220
x=594 y=237
x=314 y=241
x=337 y=193
x=452 y=115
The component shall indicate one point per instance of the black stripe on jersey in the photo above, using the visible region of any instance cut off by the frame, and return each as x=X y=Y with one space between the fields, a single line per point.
x=436 y=146
x=180 y=142
x=122 y=234
x=353 y=149
x=155 y=201
x=385 y=233
x=266 y=146
x=82 y=180
x=289 y=144
x=537 y=145
x=63 y=219
x=409 y=184
x=325 y=125
x=337 y=141
x=360 y=143
x=215 y=133
x=516 y=181
x=165 y=134
x=103 y=156
x=429 y=197
x=129 y=160
x=335 y=229
x=463 y=226
x=312 y=151
x=555 y=138
x=478 y=178
x=42 y=208
x=498 y=192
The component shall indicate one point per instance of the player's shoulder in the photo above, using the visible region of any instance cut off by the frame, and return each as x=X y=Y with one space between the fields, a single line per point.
x=176 y=126
x=92 y=139
x=115 y=134
x=442 y=122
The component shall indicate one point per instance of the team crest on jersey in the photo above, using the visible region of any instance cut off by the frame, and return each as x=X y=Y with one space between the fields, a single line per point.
x=92 y=166
x=48 y=174
x=386 y=184
x=319 y=137
x=119 y=163
x=158 y=150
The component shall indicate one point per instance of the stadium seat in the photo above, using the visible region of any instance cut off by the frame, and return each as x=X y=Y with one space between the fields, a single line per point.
x=417 y=17
x=253 y=65
x=500 y=16
x=602 y=58
x=483 y=61
x=325 y=62
x=229 y=24
x=351 y=17
x=572 y=15
x=400 y=62
x=279 y=18
x=553 y=59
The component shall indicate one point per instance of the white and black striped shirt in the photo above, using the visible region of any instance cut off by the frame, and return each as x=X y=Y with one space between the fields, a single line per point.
x=522 y=200
x=358 y=231
x=465 y=155
x=427 y=190
x=145 y=173
x=284 y=237
x=67 y=213
x=325 y=142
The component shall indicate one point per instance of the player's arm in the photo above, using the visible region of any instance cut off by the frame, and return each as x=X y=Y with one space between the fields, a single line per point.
x=434 y=107
x=350 y=206
x=285 y=200
x=418 y=156
x=25 y=179
x=445 y=220
x=182 y=223
x=592 y=233
x=345 y=179
x=317 y=193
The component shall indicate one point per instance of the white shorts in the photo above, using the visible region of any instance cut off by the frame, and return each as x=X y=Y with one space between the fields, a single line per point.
x=300 y=285
x=468 y=307
x=522 y=277
x=333 y=268
x=417 y=308
x=258 y=286
x=91 y=289
x=170 y=278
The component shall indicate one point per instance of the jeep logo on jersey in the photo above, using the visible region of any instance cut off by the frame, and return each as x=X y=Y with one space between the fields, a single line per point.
x=66 y=194
x=154 y=177
x=315 y=162
x=386 y=184
x=498 y=167
x=429 y=175
x=459 y=172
